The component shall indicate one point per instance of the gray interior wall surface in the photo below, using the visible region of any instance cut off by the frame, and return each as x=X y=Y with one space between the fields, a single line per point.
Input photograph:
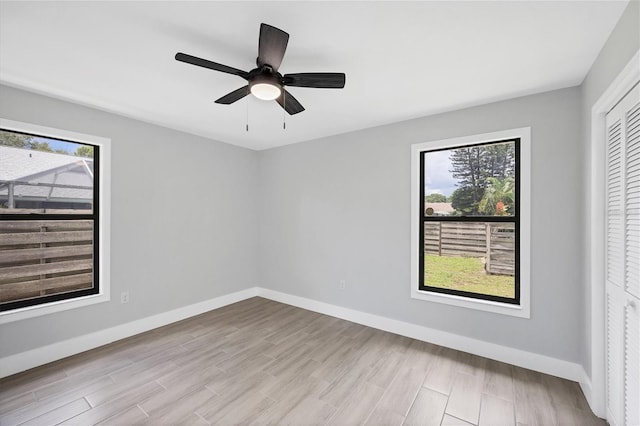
x=183 y=218
x=339 y=209
x=327 y=210
x=622 y=44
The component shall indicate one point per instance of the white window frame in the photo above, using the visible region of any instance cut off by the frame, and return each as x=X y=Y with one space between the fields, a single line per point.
x=523 y=309
x=104 y=216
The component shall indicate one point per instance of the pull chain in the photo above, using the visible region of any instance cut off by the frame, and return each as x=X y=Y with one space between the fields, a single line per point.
x=284 y=115
x=247 y=114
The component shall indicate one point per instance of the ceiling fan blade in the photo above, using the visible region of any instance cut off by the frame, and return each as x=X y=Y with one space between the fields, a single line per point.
x=271 y=46
x=234 y=96
x=289 y=103
x=323 y=80
x=183 y=57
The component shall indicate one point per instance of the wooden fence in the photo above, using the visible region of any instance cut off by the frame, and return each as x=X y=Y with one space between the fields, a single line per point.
x=493 y=241
x=43 y=257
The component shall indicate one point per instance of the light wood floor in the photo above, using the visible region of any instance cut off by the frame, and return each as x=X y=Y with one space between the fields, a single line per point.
x=262 y=362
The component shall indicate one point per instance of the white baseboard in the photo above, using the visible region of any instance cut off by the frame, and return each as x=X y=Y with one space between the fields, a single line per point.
x=568 y=370
x=542 y=363
x=25 y=360
x=587 y=389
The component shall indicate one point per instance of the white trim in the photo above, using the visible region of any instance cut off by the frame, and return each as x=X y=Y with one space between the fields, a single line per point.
x=104 y=216
x=29 y=359
x=587 y=389
x=23 y=361
x=629 y=76
x=523 y=310
x=542 y=363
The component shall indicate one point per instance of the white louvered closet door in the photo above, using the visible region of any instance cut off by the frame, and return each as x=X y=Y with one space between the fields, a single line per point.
x=623 y=261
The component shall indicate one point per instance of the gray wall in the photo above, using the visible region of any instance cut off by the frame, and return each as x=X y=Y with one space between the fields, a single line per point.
x=183 y=219
x=326 y=210
x=339 y=208
x=622 y=44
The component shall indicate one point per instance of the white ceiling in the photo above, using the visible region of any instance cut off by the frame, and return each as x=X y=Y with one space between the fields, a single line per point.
x=402 y=59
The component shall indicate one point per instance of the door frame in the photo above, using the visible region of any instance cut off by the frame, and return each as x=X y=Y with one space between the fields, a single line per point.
x=627 y=78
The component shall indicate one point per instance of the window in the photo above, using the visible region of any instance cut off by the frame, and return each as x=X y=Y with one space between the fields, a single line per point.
x=470 y=199
x=51 y=219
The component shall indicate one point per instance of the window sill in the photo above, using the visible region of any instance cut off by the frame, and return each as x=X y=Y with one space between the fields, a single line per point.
x=477 y=304
x=50 y=308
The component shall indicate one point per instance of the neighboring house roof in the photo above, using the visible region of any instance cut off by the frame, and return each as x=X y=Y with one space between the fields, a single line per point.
x=25 y=165
x=440 y=208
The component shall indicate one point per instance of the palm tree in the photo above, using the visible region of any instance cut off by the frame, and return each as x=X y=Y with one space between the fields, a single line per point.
x=498 y=198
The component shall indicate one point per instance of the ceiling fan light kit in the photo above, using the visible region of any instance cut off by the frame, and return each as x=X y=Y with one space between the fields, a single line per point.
x=265 y=82
x=265 y=87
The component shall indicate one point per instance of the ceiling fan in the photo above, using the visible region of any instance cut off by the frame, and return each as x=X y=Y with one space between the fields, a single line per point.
x=265 y=82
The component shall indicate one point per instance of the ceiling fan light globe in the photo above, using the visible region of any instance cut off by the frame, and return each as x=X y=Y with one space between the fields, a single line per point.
x=265 y=91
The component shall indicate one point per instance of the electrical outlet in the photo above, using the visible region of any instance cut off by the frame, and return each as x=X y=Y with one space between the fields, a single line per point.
x=124 y=297
x=342 y=285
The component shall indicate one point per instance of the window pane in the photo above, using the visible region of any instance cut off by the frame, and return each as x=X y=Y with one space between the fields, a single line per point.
x=44 y=257
x=475 y=257
x=476 y=180
x=44 y=175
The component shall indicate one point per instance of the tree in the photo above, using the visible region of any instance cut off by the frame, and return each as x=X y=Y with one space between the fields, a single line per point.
x=19 y=140
x=473 y=166
x=466 y=166
x=84 y=151
x=435 y=198
x=498 y=198
x=16 y=140
x=462 y=200
x=40 y=146
x=499 y=160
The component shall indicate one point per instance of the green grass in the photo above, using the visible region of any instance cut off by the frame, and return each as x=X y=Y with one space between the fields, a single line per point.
x=465 y=274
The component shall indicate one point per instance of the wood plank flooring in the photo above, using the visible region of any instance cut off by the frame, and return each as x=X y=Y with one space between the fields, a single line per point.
x=262 y=362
